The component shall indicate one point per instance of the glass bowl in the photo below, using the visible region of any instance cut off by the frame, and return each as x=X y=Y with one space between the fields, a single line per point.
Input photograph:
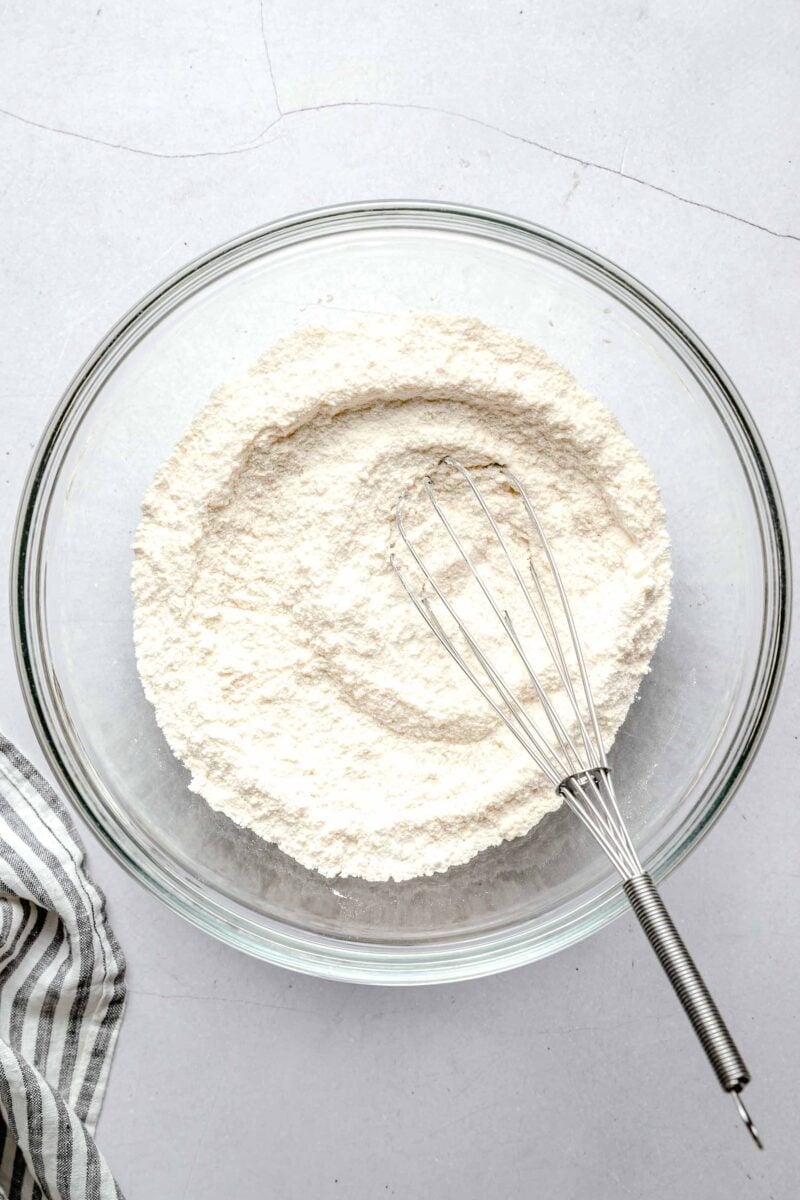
x=689 y=736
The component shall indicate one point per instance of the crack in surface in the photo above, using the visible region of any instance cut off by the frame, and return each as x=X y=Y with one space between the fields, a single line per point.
x=552 y=150
x=269 y=60
x=262 y=139
x=255 y=143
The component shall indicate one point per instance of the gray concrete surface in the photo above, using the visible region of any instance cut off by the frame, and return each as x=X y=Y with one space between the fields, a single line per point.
x=133 y=137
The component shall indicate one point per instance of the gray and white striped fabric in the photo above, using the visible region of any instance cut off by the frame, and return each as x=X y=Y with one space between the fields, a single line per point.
x=62 y=997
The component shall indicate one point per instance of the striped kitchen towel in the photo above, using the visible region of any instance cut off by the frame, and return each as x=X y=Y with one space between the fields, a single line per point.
x=62 y=996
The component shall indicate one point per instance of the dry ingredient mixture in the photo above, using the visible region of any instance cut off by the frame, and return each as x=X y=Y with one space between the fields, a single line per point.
x=289 y=671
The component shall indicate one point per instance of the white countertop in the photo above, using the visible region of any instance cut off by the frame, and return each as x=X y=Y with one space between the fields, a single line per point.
x=135 y=137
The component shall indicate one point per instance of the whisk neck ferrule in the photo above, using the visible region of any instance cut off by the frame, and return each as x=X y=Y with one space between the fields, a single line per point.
x=572 y=784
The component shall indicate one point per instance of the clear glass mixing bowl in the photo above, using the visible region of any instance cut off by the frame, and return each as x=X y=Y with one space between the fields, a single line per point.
x=689 y=736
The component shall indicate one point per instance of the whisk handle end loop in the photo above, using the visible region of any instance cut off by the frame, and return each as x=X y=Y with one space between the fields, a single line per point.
x=690 y=988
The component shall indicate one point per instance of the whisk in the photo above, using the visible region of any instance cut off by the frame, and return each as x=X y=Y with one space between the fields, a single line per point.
x=570 y=753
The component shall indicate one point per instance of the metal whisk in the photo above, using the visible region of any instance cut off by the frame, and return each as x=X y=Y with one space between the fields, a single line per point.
x=569 y=753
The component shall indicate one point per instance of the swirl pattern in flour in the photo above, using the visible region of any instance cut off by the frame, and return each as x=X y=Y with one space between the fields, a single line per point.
x=286 y=666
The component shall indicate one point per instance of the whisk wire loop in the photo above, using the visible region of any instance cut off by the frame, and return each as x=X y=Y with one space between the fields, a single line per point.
x=558 y=756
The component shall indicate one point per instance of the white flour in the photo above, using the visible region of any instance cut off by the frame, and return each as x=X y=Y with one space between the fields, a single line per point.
x=287 y=667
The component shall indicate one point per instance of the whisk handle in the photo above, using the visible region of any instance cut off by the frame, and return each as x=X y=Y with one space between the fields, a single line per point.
x=687 y=982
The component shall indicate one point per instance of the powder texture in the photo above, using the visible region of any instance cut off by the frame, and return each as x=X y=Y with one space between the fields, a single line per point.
x=289 y=671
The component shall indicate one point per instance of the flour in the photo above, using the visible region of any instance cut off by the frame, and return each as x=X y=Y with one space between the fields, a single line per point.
x=289 y=671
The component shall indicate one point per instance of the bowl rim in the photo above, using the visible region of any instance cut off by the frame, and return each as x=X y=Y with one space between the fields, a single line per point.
x=304 y=950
